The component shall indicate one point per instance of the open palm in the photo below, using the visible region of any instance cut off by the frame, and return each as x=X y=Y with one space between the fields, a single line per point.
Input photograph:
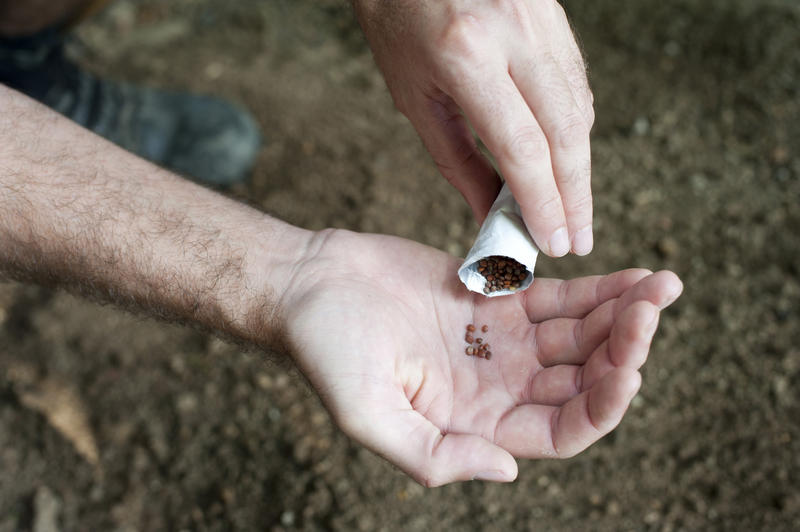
x=378 y=328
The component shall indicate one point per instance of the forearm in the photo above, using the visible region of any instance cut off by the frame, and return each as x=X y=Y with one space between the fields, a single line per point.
x=79 y=213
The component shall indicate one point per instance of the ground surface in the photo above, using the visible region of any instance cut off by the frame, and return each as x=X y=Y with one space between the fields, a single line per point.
x=697 y=169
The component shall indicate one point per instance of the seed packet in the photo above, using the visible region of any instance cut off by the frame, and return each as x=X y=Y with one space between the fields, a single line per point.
x=503 y=234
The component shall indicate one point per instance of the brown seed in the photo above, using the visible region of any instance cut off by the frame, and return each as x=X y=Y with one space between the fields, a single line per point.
x=485 y=346
x=469 y=338
x=470 y=351
x=488 y=355
x=485 y=328
x=471 y=327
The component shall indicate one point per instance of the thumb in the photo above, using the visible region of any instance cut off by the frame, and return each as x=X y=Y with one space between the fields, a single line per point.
x=433 y=458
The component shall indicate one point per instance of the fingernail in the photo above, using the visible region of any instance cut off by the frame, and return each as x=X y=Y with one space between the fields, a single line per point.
x=672 y=298
x=559 y=243
x=494 y=475
x=582 y=241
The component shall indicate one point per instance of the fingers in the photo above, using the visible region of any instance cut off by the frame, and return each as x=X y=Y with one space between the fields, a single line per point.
x=627 y=346
x=503 y=120
x=410 y=441
x=661 y=288
x=570 y=58
x=552 y=298
x=538 y=431
x=449 y=140
x=576 y=354
x=586 y=418
x=571 y=341
x=554 y=386
x=550 y=97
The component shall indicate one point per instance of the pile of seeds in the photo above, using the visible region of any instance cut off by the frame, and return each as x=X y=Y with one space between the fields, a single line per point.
x=476 y=346
x=501 y=273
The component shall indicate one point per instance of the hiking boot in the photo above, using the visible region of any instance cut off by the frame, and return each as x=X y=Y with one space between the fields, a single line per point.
x=204 y=138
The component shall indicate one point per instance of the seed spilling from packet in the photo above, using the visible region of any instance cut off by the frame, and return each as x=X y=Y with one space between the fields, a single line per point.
x=501 y=273
x=476 y=346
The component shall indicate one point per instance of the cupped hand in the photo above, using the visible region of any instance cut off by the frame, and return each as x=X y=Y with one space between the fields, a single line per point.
x=512 y=69
x=377 y=324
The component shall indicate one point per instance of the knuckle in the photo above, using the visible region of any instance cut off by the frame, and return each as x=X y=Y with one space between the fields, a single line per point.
x=572 y=132
x=462 y=41
x=576 y=181
x=400 y=105
x=557 y=9
x=526 y=144
x=448 y=172
x=516 y=8
x=429 y=480
x=548 y=207
x=581 y=203
x=590 y=116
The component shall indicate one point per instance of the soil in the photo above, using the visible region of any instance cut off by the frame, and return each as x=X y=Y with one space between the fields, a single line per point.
x=696 y=169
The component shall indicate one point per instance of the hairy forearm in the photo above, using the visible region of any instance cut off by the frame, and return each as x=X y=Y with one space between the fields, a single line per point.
x=79 y=213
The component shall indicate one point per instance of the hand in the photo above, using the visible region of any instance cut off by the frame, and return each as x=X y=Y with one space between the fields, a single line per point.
x=513 y=69
x=377 y=325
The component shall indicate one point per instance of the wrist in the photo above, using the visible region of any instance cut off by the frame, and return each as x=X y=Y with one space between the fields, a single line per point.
x=276 y=255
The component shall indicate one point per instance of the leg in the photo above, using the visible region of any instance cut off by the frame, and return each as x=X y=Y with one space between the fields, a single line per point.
x=201 y=137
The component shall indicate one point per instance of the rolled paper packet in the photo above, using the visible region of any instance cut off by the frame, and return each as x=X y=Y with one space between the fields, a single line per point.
x=503 y=233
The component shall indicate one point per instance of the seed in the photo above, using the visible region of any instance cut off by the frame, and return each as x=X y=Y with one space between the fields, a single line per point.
x=501 y=273
x=478 y=340
x=485 y=328
x=485 y=347
x=471 y=327
x=488 y=355
x=469 y=338
x=470 y=351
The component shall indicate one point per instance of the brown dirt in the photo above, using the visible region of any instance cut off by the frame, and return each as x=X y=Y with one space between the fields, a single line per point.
x=697 y=169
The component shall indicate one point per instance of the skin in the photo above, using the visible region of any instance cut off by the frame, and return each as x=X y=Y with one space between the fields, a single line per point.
x=511 y=70
x=376 y=323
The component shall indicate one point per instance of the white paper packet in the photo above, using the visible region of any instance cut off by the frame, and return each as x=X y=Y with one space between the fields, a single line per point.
x=502 y=233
